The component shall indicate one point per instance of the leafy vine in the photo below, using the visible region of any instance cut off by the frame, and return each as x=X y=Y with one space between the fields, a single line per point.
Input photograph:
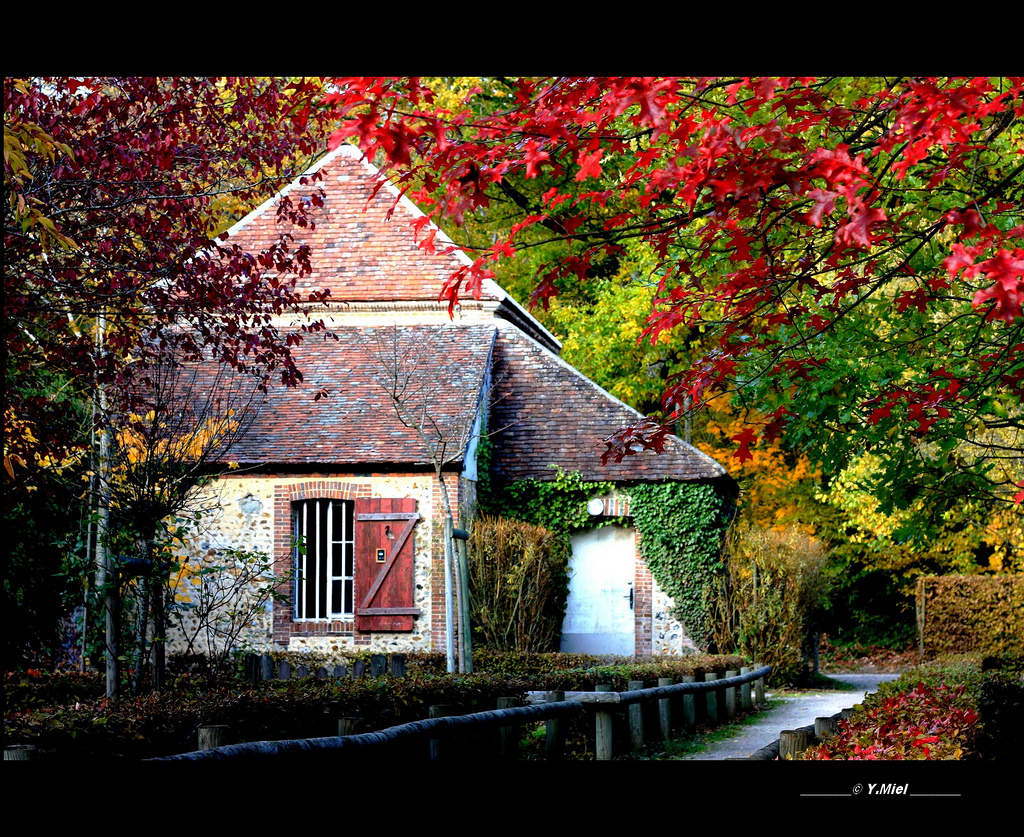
x=681 y=526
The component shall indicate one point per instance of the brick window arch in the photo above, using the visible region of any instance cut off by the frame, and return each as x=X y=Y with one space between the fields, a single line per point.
x=354 y=575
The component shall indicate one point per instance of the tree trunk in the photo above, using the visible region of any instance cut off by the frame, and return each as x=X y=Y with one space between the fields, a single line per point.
x=159 y=626
x=106 y=574
x=141 y=632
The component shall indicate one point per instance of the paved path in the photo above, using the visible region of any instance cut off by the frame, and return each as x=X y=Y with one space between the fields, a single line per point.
x=797 y=711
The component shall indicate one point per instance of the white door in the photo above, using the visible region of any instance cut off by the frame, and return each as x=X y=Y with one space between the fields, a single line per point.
x=599 y=613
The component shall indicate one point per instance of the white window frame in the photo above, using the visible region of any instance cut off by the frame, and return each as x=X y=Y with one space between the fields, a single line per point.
x=325 y=569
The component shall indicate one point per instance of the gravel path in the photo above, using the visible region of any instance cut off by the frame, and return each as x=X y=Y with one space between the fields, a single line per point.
x=797 y=711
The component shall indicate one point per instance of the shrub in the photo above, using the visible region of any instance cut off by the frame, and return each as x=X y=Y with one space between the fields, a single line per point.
x=221 y=598
x=25 y=691
x=772 y=588
x=953 y=708
x=518 y=585
x=998 y=736
x=924 y=722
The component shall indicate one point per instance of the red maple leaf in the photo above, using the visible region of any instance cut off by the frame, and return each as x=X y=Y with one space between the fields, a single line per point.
x=962 y=257
x=857 y=231
x=1008 y=289
x=773 y=430
x=824 y=204
x=535 y=155
x=746 y=438
x=916 y=298
x=590 y=165
x=645 y=434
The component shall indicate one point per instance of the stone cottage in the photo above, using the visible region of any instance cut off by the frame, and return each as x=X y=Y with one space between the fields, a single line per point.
x=345 y=462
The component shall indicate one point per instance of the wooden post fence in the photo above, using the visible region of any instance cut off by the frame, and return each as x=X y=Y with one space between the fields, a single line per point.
x=214 y=735
x=636 y=718
x=436 y=747
x=745 y=700
x=554 y=732
x=603 y=702
x=665 y=711
x=508 y=736
x=711 y=698
x=689 y=706
x=730 y=697
x=603 y=728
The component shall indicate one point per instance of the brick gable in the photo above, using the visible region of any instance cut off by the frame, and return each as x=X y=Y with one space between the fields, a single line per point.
x=357 y=253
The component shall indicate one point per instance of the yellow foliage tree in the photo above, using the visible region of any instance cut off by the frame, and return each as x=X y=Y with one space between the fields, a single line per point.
x=172 y=431
x=971 y=538
x=777 y=486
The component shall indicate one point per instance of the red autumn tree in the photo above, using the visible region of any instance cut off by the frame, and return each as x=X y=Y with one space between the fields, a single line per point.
x=852 y=247
x=113 y=191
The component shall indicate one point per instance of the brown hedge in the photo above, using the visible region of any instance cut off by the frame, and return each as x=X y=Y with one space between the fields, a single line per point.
x=958 y=614
x=155 y=725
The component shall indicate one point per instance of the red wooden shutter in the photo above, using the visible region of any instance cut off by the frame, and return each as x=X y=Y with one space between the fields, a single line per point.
x=384 y=564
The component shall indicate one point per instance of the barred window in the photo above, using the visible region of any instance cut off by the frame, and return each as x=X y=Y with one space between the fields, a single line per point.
x=324 y=559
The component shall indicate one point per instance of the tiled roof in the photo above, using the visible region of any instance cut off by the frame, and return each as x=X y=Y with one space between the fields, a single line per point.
x=354 y=421
x=357 y=253
x=547 y=413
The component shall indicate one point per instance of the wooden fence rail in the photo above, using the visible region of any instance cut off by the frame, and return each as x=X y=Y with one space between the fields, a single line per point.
x=603 y=703
x=792 y=742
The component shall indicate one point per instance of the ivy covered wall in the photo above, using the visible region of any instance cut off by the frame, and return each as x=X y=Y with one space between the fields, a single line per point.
x=681 y=526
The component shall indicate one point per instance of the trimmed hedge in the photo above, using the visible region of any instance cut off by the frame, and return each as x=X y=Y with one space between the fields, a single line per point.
x=155 y=725
x=964 y=614
x=24 y=691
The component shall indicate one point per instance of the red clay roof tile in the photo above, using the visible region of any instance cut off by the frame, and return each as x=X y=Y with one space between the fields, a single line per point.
x=545 y=413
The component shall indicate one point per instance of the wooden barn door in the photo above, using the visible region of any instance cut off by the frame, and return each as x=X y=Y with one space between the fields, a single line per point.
x=384 y=564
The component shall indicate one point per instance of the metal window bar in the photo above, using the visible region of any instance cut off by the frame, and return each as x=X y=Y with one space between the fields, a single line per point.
x=301 y=555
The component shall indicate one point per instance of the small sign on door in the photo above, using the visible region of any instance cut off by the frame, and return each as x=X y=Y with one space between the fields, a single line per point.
x=382 y=556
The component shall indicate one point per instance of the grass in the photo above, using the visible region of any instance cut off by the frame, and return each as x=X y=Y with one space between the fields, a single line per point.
x=678 y=748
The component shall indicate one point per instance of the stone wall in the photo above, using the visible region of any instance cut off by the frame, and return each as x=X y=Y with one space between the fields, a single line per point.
x=668 y=636
x=248 y=513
